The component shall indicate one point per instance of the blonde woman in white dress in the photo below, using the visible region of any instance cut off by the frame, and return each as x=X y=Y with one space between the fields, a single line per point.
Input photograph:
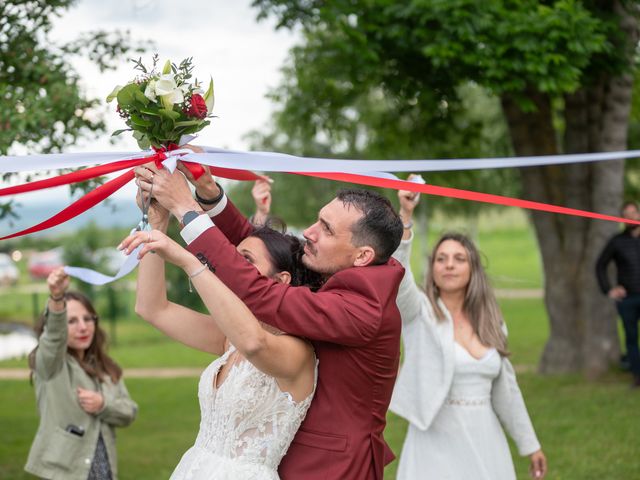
x=456 y=387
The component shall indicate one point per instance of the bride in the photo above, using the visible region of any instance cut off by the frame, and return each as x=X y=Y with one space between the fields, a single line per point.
x=255 y=395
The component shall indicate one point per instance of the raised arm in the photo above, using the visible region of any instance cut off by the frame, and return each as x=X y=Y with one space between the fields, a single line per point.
x=187 y=326
x=410 y=297
x=347 y=310
x=52 y=345
x=281 y=356
x=261 y=193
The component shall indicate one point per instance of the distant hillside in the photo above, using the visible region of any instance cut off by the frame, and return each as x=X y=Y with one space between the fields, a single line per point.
x=118 y=213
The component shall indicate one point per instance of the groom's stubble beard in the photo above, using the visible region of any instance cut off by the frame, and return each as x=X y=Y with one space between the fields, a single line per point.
x=310 y=260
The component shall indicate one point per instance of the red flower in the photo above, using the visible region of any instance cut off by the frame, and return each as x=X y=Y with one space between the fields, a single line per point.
x=198 y=108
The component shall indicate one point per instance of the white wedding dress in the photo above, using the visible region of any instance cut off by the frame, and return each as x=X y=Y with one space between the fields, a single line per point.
x=465 y=440
x=246 y=426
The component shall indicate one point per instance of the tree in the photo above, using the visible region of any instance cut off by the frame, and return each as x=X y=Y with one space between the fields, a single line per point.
x=42 y=105
x=562 y=73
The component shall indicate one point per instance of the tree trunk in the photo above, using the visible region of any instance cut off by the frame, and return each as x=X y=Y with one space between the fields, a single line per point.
x=583 y=321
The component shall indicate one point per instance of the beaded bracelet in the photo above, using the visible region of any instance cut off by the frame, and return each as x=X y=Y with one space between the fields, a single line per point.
x=194 y=274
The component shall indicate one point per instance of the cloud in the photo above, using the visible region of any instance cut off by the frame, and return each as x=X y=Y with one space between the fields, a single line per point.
x=226 y=42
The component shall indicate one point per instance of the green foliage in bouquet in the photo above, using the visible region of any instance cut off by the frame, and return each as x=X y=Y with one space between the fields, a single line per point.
x=162 y=107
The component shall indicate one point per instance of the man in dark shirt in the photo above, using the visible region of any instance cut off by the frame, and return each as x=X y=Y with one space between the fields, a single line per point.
x=624 y=250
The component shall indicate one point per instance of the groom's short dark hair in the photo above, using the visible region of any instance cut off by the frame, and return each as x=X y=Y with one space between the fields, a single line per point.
x=379 y=227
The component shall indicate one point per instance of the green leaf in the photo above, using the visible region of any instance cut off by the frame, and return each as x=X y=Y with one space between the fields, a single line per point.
x=114 y=93
x=150 y=111
x=188 y=123
x=144 y=143
x=170 y=114
x=118 y=132
x=126 y=96
x=140 y=97
x=137 y=120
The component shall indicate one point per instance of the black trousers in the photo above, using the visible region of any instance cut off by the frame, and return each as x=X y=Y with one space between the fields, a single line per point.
x=629 y=310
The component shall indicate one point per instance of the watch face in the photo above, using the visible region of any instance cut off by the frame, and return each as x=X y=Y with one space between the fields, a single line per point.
x=189 y=216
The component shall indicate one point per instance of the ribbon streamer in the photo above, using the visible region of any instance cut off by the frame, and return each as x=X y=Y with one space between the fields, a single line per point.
x=466 y=195
x=79 y=206
x=279 y=162
x=223 y=163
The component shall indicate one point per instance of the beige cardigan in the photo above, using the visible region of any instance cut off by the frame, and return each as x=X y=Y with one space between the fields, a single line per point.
x=56 y=453
x=427 y=372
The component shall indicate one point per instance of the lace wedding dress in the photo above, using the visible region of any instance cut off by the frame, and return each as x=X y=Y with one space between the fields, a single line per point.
x=246 y=426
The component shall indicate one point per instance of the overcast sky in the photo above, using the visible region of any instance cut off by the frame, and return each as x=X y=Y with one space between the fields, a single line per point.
x=226 y=42
x=224 y=39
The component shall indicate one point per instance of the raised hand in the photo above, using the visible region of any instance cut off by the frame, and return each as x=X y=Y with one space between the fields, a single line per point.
x=58 y=282
x=261 y=193
x=90 y=401
x=171 y=190
x=159 y=243
x=158 y=215
x=408 y=201
x=205 y=184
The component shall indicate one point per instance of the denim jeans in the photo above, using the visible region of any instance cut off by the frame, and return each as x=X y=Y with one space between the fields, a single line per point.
x=629 y=310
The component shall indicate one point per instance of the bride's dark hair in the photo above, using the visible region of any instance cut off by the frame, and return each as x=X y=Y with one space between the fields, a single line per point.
x=285 y=252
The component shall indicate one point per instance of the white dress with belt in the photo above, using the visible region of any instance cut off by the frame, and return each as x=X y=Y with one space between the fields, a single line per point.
x=456 y=405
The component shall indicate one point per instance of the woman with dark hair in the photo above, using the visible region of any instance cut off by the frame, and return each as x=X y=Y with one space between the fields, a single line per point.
x=456 y=386
x=80 y=393
x=255 y=395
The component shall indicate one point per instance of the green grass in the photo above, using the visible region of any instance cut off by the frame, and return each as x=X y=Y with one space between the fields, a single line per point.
x=150 y=448
x=588 y=429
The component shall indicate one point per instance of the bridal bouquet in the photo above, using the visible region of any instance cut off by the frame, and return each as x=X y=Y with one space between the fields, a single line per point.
x=161 y=107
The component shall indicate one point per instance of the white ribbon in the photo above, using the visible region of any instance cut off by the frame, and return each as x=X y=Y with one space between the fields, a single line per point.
x=279 y=162
x=96 y=278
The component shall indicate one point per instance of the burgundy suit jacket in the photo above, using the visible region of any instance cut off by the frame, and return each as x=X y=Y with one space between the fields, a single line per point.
x=354 y=326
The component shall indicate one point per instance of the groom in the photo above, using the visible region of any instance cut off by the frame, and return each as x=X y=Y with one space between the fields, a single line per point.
x=352 y=321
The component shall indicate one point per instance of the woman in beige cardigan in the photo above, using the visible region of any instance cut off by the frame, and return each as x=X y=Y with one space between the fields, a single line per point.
x=456 y=387
x=80 y=393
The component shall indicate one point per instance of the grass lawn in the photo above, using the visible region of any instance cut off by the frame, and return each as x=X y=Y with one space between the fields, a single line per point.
x=588 y=430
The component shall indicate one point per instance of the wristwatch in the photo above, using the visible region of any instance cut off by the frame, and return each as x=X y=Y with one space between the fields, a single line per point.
x=189 y=217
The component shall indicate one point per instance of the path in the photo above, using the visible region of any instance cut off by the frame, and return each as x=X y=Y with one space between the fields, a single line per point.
x=180 y=372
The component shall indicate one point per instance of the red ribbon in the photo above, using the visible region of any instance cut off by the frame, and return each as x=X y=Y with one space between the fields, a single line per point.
x=79 y=206
x=80 y=175
x=96 y=196
x=464 y=195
